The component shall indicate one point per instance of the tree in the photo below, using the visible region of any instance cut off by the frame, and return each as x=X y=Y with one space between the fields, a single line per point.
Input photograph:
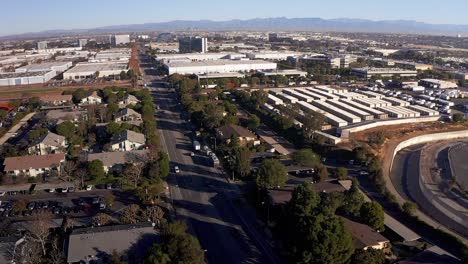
x=353 y=200
x=109 y=199
x=39 y=228
x=372 y=214
x=96 y=169
x=306 y=157
x=79 y=94
x=154 y=213
x=242 y=161
x=133 y=171
x=368 y=256
x=311 y=122
x=157 y=255
x=66 y=129
x=340 y=173
x=362 y=154
x=321 y=173
x=182 y=247
x=253 y=123
x=458 y=118
x=304 y=201
x=409 y=208
x=130 y=214
x=164 y=165
x=101 y=219
x=212 y=115
x=271 y=173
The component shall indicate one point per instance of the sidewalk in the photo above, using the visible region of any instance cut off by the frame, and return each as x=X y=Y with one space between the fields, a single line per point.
x=16 y=127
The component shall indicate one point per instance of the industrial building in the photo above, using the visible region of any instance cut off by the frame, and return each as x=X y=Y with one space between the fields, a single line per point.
x=82 y=42
x=438 y=84
x=115 y=55
x=116 y=40
x=187 y=57
x=26 y=78
x=219 y=66
x=89 y=70
x=382 y=72
x=271 y=55
x=57 y=66
x=193 y=44
x=330 y=118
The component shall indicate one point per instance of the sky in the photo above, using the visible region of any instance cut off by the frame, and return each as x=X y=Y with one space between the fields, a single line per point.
x=20 y=16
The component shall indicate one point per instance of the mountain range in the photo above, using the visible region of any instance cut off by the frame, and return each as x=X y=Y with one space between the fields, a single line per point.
x=278 y=23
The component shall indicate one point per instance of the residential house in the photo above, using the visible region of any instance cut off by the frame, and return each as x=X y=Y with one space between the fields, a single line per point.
x=280 y=196
x=225 y=133
x=128 y=100
x=59 y=116
x=33 y=166
x=127 y=115
x=56 y=100
x=49 y=143
x=92 y=99
x=114 y=161
x=128 y=140
x=364 y=237
x=96 y=244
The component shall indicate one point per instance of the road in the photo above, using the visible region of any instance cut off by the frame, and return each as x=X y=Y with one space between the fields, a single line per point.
x=213 y=208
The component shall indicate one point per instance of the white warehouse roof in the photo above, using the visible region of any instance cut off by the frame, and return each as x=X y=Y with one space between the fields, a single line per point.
x=218 y=66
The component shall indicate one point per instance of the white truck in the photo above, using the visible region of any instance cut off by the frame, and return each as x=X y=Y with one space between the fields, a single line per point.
x=196 y=145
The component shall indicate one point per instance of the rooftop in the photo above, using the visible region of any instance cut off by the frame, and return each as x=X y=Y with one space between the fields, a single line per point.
x=55 y=97
x=217 y=63
x=33 y=162
x=94 y=67
x=363 y=235
x=98 y=242
x=227 y=131
x=43 y=66
x=8 y=75
x=51 y=139
x=284 y=195
x=130 y=136
x=110 y=159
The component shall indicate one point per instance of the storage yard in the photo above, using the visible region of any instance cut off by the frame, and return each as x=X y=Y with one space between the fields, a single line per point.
x=343 y=108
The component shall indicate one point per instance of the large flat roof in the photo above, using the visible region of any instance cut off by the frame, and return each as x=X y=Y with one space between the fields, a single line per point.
x=94 y=67
x=217 y=63
x=7 y=75
x=43 y=65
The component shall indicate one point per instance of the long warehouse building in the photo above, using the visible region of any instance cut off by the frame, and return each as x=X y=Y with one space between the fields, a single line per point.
x=219 y=66
x=377 y=113
x=311 y=94
x=301 y=97
x=353 y=110
x=330 y=118
x=351 y=118
x=424 y=110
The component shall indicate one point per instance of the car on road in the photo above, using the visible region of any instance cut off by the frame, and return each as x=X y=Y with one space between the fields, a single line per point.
x=363 y=173
x=192 y=154
x=45 y=205
x=71 y=189
x=102 y=206
x=2 y=193
x=176 y=169
x=31 y=205
x=89 y=187
x=109 y=186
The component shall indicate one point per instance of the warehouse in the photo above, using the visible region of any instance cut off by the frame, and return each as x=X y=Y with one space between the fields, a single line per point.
x=89 y=70
x=325 y=94
x=331 y=119
x=219 y=66
x=167 y=58
x=396 y=101
x=57 y=66
x=327 y=89
x=372 y=94
x=26 y=78
x=271 y=55
x=301 y=97
x=353 y=110
x=372 y=102
x=351 y=118
x=376 y=113
x=286 y=98
x=399 y=112
x=424 y=110
x=439 y=84
x=311 y=94
x=115 y=55
x=274 y=100
x=351 y=95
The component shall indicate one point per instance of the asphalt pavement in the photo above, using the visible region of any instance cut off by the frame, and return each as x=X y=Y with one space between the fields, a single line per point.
x=225 y=225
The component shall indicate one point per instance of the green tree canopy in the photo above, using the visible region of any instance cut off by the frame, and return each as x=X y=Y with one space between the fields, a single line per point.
x=96 y=169
x=306 y=157
x=372 y=214
x=66 y=129
x=304 y=201
x=271 y=173
x=340 y=173
x=242 y=161
x=253 y=122
x=353 y=200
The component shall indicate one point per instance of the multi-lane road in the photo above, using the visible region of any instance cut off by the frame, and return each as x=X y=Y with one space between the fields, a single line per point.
x=213 y=208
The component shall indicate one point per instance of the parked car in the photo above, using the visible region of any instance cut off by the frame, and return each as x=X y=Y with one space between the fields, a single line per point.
x=176 y=169
x=102 y=206
x=71 y=189
x=81 y=202
x=96 y=200
x=108 y=186
x=31 y=205
x=89 y=187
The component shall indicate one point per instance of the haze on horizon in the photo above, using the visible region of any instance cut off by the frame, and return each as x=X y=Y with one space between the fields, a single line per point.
x=23 y=16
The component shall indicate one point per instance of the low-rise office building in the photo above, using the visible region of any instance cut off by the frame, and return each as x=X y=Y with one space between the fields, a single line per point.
x=32 y=166
x=219 y=66
x=383 y=72
x=57 y=66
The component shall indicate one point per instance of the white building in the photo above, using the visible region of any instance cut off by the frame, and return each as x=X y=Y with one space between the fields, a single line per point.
x=42 y=45
x=49 y=143
x=89 y=70
x=126 y=115
x=187 y=57
x=128 y=140
x=271 y=55
x=383 y=72
x=57 y=66
x=82 y=42
x=219 y=66
x=128 y=100
x=439 y=84
x=32 y=166
x=112 y=55
x=26 y=78
x=92 y=99
x=120 y=39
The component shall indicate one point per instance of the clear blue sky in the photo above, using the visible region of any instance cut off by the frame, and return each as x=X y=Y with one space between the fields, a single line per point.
x=20 y=16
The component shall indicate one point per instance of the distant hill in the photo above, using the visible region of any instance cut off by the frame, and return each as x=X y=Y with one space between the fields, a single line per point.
x=279 y=23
